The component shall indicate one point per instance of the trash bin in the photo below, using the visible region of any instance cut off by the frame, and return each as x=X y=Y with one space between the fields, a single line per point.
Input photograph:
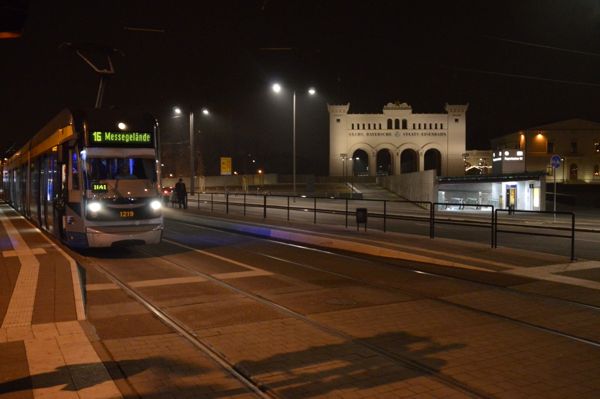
x=361 y=217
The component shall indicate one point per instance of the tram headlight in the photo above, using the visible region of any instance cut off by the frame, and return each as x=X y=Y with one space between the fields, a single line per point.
x=155 y=205
x=94 y=206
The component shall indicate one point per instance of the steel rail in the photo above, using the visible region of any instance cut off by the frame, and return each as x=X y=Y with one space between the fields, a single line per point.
x=497 y=287
x=404 y=361
x=258 y=389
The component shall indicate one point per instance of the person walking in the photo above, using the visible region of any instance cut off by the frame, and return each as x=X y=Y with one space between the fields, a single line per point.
x=181 y=194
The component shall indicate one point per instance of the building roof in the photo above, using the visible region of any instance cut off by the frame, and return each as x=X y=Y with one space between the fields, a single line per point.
x=569 y=124
x=493 y=178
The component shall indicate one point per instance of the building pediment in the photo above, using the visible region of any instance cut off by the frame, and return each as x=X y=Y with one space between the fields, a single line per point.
x=396 y=106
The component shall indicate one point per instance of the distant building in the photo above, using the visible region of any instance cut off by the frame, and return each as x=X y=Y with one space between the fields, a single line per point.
x=478 y=162
x=396 y=141
x=576 y=141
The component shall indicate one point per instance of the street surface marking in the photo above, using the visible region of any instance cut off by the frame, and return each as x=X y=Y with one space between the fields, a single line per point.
x=457 y=256
x=354 y=246
x=101 y=287
x=20 y=307
x=12 y=253
x=167 y=281
x=224 y=259
x=234 y=275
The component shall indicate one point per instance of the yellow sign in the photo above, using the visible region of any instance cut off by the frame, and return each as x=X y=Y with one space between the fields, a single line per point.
x=225 y=166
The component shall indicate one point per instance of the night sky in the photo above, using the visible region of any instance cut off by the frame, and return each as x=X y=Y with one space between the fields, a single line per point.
x=517 y=63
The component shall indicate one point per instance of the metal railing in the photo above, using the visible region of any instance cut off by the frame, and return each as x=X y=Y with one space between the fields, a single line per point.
x=530 y=228
x=471 y=223
x=386 y=211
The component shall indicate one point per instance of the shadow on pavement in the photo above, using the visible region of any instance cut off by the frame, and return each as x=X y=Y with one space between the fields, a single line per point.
x=159 y=376
x=351 y=365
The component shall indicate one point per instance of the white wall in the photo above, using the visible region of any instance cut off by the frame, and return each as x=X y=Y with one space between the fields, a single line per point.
x=417 y=186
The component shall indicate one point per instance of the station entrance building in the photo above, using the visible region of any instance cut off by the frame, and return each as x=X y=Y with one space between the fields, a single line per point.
x=396 y=141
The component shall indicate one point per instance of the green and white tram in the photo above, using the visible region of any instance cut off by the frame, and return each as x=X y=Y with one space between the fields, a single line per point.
x=91 y=178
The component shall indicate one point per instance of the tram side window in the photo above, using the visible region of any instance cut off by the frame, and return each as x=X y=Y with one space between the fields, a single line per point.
x=74 y=171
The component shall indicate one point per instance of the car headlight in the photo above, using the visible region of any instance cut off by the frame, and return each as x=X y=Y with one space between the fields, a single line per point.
x=156 y=205
x=94 y=206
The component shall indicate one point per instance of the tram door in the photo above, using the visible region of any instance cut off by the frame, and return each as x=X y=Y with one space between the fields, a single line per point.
x=51 y=181
x=511 y=197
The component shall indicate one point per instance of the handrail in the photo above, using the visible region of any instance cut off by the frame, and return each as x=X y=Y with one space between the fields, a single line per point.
x=514 y=211
x=461 y=205
x=419 y=213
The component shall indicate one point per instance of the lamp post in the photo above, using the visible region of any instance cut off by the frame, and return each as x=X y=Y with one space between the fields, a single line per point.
x=276 y=87
x=178 y=112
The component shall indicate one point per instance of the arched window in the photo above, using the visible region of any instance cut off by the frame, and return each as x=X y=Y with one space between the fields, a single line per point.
x=413 y=125
x=369 y=126
x=419 y=125
x=380 y=126
x=404 y=124
x=363 y=126
x=396 y=123
x=441 y=125
x=389 y=124
x=435 y=126
x=353 y=126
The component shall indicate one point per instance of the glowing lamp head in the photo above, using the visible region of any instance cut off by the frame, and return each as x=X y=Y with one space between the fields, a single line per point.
x=121 y=126
x=177 y=111
x=312 y=91
x=276 y=87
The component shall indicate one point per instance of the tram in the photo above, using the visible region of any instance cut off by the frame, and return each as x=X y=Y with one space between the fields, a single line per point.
x=91 y=178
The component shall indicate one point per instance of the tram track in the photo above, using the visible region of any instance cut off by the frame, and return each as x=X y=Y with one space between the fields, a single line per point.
x=256 y=388
x=263 y=390
x=419 y=294
x=396 y=358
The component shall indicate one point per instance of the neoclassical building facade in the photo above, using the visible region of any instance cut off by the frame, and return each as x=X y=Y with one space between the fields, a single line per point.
x=396 y=141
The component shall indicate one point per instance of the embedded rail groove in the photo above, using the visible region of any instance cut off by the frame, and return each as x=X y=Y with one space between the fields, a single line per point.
x=258 y=389
x=418 y=294
x=383 y=261
x=398 y=359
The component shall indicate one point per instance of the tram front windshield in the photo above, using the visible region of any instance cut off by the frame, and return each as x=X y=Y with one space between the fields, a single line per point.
x=120 y=169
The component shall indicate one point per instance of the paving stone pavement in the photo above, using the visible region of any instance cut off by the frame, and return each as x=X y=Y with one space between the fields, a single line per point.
x=121 y=350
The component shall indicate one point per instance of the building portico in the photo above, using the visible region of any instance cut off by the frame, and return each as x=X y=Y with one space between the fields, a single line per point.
x=397 y=141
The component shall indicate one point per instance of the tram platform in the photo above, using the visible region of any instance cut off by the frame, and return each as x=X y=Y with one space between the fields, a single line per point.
x=45 y=349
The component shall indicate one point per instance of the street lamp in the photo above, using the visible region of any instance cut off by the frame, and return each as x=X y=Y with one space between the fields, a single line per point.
x=178 y=112
x=276 y=87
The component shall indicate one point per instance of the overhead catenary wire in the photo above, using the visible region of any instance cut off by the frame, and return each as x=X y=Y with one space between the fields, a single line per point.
x=543 y=46
x=527 y=77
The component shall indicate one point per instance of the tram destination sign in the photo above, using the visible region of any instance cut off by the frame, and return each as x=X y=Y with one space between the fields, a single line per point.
x=98 y=138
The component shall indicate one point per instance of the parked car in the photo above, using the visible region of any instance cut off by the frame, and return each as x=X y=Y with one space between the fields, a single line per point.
x=166 y=193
